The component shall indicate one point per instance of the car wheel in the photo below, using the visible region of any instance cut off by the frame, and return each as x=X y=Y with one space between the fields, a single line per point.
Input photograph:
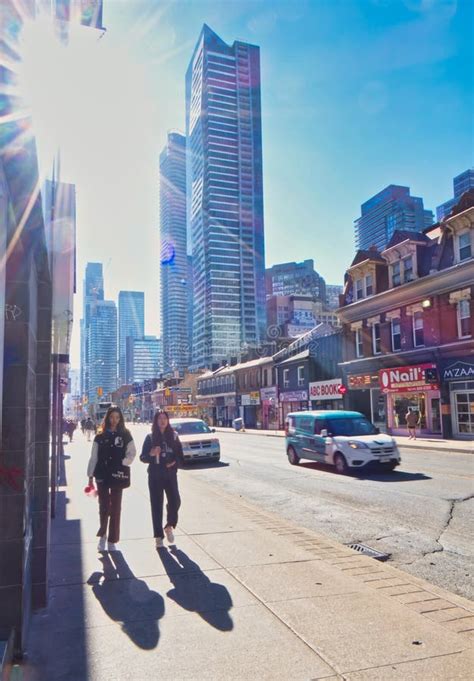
x=341 y=464
x=293 y=457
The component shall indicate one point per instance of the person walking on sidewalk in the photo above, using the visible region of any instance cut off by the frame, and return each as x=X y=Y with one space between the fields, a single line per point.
x=163 y=453
x=112 y=453
x=90 y=428
x=412 y=420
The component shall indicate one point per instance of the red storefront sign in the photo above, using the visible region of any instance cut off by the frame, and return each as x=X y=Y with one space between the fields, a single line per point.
x=406 y=379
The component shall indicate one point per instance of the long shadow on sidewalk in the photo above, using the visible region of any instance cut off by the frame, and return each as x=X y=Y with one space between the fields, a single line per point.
x=128 y=600
x=194 y=591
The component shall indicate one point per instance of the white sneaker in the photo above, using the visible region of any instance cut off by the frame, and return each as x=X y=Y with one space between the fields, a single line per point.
x=158 y=542
x=169 y=534
x=101 y=546
x=112 y=546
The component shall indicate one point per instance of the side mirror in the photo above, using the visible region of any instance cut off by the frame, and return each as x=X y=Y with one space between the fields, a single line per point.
x=213 y=430
x=377 y=431
x=324 y=432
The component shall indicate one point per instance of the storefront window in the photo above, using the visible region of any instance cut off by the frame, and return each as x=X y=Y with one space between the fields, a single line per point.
x=404 y=402
x=464 y=402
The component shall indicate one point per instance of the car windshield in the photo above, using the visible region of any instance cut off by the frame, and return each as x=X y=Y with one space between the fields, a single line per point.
x=191 y=428
x=351 y=426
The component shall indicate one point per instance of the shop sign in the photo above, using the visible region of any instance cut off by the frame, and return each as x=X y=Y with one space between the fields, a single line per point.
x=229 y=400
x=251 y=399
x=363 y=381
x=458 y=369
x=325 y=390
x=294 y=396
x=268 y=394
x=406 y=379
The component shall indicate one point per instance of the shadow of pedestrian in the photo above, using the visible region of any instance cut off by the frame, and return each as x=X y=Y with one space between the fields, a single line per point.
x=194 y=591
x=128 y=600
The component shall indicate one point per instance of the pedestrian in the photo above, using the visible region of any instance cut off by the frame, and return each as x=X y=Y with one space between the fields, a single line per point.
x=90 y=428
x=163 y=453
x=71 y=427
x=83 y=426
x=112 y=453
x=412 y=419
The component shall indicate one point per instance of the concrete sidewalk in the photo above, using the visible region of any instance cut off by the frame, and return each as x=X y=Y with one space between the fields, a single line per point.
x=244 y=595
x=432 y=444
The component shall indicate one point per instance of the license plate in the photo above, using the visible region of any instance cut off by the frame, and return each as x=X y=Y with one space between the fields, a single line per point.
x=385 y=459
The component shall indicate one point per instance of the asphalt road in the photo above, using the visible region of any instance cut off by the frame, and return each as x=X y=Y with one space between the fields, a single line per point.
x=422 y=514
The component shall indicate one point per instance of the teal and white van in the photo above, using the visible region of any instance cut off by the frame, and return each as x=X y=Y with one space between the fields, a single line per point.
x=344 y=439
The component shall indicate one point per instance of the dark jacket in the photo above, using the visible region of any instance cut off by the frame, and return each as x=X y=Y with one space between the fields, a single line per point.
x=110 y=451
x=171 y=453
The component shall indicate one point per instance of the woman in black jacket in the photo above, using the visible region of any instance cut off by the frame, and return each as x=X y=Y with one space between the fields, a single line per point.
x=112 y=449
x=163 y=453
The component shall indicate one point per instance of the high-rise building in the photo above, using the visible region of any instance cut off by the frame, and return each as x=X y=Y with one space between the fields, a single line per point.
x=102 y=350
x=131 y=313
x=391 y=209
x=461 y=184
x=333 y=291
x=295 y=278
x=93 y=292
x=144 y=358
x=175 y=282
x=225 y=197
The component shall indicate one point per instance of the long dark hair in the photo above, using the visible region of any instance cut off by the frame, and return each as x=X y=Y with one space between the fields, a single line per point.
x=106 y=422
x=156 y=434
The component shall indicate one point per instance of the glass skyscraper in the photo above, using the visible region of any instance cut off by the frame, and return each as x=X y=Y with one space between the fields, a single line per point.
x=93 y=292
x=131 y=311
x=176 y=285
x=144 y=358
x=225 y=197
x=295 y=278
x=391 y=209
x=102 y=350
x=461 y=183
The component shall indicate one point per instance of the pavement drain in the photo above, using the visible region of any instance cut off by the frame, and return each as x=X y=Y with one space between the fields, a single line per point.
x=367 y=551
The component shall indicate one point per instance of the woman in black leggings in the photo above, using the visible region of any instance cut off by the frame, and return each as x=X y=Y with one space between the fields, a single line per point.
x=163 y=453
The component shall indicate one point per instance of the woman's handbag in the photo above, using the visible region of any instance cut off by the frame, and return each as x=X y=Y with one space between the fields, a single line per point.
x=121 y=477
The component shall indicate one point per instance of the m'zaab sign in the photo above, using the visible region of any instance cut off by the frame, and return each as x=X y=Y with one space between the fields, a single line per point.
x=406 y=379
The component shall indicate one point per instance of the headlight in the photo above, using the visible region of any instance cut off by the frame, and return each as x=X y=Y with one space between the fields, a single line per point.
x=357 y=445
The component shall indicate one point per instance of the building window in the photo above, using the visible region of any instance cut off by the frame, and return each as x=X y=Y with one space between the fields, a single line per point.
x=408 y=269
x=376 y=339
x=359 y=289
x=465 y=248
x=464 y=318
x=396 y=335
x=286 y=378
x=396 y=278
x=369 y=285
x=358 y=343
x=418 y=335
x=300 y=376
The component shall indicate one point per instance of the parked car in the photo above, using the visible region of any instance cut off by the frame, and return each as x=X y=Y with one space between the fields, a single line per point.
x=344 y=439
x=198 y=440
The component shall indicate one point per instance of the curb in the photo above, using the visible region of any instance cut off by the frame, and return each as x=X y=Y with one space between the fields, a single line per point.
x=457 y=450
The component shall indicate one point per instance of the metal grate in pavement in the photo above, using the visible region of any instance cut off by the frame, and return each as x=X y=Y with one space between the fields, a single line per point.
x=367 y=551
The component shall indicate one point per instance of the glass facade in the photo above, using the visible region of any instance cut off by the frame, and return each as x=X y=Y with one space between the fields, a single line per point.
x=102 y=350
x=131 y=310
x=144 y=358
x=92 y=294
x=176 y=266
x=225 y=197
x=391 y=209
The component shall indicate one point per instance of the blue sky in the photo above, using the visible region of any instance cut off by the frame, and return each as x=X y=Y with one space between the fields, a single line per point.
x=356 y=94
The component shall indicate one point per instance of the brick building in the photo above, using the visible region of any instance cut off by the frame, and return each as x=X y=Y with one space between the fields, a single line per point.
x=408 y=328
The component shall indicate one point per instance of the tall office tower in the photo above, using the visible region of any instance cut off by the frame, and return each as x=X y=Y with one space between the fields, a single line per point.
x=333 y=291
x=102 y=350
x=175 y=284
x=295 y=278
x=461 y=184
x=144 y=358
x=225 y=197
x=391 y=209
x=93 y=292
x=131 y=312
